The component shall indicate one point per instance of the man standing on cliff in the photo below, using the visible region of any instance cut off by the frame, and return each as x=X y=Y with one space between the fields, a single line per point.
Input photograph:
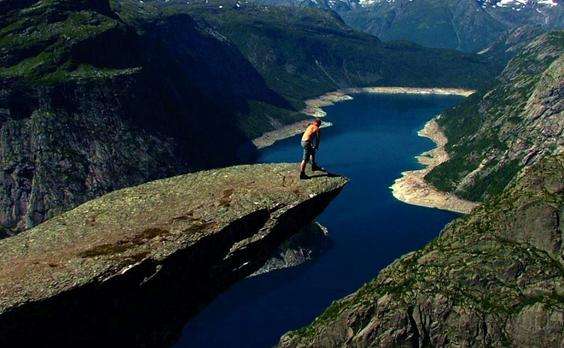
x=310 y=144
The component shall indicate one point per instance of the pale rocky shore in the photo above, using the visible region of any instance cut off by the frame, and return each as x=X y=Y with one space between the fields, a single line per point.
x=412 y=188
x=412 y=90
x=314 y=107
x=284 y=132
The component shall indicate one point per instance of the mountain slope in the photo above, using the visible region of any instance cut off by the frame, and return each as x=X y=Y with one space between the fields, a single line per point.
x=494 y=133
x=509 y=44
x=304 y=53
x=493 y=278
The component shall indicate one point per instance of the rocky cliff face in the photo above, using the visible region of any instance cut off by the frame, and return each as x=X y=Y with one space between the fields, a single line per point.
x=496 y=132
x=130 y=267
x=493 y=278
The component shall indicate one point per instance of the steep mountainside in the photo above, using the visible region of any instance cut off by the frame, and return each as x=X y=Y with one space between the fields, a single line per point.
x=467 y=25
x=132 y=266
x=305 y=53
x=494 y=133
x=494 y=278
x=90 y=103
x=98 y=95
x=509 y=44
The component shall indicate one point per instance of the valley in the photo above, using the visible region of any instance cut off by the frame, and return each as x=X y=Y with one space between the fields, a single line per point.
x=372 y=140
x=487 y=275
x=83 y=119
x=143 y=202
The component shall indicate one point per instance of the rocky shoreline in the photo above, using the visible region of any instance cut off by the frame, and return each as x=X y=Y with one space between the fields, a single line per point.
x=314 y=108
x=412 y=188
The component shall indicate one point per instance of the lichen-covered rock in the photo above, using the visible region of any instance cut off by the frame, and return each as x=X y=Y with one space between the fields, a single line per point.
x=131 y=266
x=493 y=278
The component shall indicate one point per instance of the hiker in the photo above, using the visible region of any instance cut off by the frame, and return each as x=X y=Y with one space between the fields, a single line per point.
x=310 y=143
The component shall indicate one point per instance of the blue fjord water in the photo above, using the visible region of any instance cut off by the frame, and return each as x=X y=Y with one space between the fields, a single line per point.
x=374 y=139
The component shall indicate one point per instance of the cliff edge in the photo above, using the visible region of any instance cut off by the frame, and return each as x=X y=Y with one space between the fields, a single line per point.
x=132 y=266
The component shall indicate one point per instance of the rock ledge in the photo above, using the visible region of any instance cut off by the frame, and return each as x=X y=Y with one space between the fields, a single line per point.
x=139 y=261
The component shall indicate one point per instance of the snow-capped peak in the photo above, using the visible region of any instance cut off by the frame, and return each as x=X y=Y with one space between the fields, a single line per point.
x=517 y=4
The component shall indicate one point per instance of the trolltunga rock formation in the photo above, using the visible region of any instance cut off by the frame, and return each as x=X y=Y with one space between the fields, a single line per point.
x=132 y=266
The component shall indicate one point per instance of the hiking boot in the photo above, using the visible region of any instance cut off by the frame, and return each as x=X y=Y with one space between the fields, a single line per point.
x=316 y=168
x=303 y=176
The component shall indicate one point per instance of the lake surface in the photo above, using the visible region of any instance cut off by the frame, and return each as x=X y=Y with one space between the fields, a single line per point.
x=374 y=139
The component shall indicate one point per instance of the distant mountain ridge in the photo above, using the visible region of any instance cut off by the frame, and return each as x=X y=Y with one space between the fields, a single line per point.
x=467 y=25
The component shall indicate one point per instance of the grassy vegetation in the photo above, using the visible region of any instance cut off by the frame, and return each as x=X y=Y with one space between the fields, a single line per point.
x=38 y=41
